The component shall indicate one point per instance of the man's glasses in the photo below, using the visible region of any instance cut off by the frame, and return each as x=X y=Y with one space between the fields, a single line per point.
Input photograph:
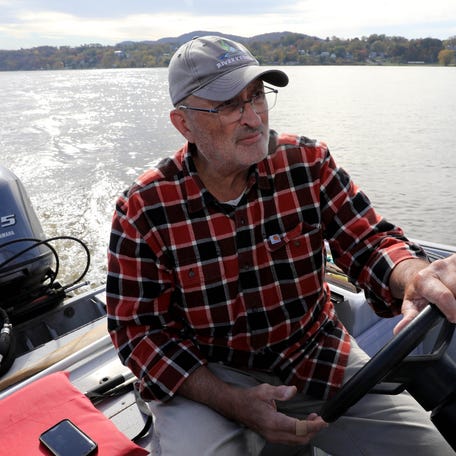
x=232 y=110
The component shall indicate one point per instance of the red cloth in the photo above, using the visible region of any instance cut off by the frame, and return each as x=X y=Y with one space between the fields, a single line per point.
x=25 y=414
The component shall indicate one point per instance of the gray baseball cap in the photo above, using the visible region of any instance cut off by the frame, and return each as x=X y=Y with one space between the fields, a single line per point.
x=216 y=69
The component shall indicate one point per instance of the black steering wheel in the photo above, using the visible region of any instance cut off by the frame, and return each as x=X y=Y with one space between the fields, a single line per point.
x=392 y=360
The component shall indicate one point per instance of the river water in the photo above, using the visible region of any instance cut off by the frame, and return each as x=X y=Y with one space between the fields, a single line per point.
x=76 y=139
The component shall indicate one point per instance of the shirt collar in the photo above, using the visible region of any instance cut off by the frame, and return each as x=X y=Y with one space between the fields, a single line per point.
x=197 y=194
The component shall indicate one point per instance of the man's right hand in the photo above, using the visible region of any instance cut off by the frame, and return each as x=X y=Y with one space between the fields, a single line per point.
x=255 y=407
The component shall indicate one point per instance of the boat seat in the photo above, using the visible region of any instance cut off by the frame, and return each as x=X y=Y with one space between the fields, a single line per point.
x=370 y=331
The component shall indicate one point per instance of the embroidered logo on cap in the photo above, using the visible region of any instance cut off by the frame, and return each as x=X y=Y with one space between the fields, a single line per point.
x=231 y=55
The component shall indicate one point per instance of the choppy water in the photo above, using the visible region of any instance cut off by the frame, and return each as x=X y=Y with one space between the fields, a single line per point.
x=76 y=139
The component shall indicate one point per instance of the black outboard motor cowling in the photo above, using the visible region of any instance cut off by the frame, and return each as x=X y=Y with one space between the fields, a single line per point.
x=23 y=277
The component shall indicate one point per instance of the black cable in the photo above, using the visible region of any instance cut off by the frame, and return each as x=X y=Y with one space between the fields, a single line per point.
x=7 y=339
x=145 y=430
x=7 y=342
x=113 y=389
x=38 y=242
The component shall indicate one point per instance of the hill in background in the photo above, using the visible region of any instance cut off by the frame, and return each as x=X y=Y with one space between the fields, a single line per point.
x=277 y=48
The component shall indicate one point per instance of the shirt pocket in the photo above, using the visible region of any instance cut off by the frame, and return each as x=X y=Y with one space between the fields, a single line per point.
x=302 y=241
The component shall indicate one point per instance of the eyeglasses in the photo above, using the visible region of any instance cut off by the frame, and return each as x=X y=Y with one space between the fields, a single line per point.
x=232 y=110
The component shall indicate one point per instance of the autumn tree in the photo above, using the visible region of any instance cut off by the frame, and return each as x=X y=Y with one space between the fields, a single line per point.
x=447 y=57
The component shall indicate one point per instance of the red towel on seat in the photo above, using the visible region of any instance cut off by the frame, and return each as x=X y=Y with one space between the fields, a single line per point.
x=26 y=413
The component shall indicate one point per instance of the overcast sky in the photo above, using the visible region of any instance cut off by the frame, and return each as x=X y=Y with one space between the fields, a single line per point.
x=30 y=23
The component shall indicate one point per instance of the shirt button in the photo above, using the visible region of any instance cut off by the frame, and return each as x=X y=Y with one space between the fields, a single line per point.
x=191 y=273
x=297 y=243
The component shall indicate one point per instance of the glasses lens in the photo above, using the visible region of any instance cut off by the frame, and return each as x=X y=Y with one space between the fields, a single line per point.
x=266 y=102
x=233 y=111
x=230 y=109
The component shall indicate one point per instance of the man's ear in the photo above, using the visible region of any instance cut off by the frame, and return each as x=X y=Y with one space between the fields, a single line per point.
x=180 y=122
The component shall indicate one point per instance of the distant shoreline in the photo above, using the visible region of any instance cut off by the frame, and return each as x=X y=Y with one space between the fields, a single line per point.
x=285 y=48
x=386 y=64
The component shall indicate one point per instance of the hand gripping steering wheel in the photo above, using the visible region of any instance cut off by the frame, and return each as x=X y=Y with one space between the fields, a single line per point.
x=430 y=379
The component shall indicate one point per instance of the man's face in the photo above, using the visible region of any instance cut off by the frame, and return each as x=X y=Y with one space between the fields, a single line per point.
x=229 y=146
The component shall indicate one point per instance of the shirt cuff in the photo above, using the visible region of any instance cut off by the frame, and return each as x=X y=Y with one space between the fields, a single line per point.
x=378 y=293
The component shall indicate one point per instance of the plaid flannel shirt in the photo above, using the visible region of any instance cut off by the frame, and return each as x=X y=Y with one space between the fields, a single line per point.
x=192 y=280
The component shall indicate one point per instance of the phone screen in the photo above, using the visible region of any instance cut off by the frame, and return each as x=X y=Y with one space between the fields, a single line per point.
x=66 y=439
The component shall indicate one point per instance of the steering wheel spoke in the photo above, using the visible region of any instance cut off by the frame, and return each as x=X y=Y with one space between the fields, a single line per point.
x=430 y=379
x=381 y=364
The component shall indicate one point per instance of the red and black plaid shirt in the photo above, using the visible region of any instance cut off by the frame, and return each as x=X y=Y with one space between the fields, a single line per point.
x=192 y=280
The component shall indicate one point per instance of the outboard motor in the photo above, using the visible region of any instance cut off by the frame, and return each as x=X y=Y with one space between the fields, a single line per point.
x=25 y=264
x=28 y=286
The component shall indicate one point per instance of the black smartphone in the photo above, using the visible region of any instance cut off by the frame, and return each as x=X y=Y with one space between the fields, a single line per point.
x=66 y=439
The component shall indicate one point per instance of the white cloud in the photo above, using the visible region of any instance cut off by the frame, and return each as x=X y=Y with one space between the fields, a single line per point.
x=63 y=27
x=27 y=23
x=349 y=17
x=70 y=29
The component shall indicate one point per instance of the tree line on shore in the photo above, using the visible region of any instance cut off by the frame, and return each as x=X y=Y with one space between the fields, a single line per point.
x=271 y=49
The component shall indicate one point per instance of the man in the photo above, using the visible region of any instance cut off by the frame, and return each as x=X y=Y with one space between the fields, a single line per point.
x=216 y=292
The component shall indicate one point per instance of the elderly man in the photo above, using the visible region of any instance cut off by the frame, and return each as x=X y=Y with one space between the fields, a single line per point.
x=216 y=289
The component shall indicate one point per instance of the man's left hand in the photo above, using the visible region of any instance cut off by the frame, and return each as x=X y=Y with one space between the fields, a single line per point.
x=435 y=283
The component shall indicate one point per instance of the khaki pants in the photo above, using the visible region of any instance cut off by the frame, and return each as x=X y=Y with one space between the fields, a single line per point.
x=377 y=425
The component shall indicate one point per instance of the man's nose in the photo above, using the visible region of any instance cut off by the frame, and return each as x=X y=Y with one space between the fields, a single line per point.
x=249 y=115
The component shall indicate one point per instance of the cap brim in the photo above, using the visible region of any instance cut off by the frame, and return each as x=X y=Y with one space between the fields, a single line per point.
x=230 y=84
